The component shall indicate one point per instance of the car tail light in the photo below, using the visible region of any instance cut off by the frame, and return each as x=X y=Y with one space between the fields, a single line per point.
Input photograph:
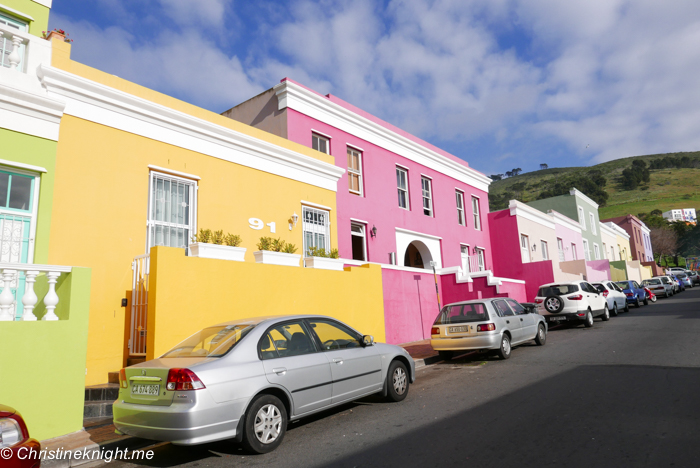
x=123 y=383
x=486 y=327
x=539 y=301
x=581 y=315
x=435 y=331
x=576 y=297
x=605 y=293
x=629 y=294
x=183 y=379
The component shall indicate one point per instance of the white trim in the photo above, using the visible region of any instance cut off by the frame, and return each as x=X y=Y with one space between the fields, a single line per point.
x=296 y=97
x=415 y=233
x=321 y=134
x=480 y=248
x=358 y=221
x=565 y=221
x=531 y=214
x=46 y=3
x=16 y=13
x=402 y=166
x=171 y=171
x=316 y=205
x=28 y=112
x=575 y=192
x=604 y=228
x=388 y=266
x=28 y=167
x=355 y=147
x=31 y=266
x=108 y=106
x=645 y=229
x=618 y=230
x=426 y=176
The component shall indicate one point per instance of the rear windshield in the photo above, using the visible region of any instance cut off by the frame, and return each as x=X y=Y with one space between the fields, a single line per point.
x=651 y=281
x=623 y=284
x=210 y=342
x=681 y=275
x=600 y=287
x=462 y=313
x=557 y=290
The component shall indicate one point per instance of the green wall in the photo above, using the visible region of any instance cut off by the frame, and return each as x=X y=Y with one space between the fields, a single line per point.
x=43 y=365
x=39 y=12
x=38 y=152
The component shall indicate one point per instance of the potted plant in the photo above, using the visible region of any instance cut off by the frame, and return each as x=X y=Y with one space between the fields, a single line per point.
x=60 y=34
x=276 y=252
x=319 y=258
x=208 y=244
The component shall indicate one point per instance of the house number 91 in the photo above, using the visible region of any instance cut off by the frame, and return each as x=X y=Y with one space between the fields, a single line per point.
x=258 y=224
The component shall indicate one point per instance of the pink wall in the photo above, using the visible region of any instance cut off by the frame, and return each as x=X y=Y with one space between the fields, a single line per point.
x=410 y=305
x=379 y=203
x=597 y=270
x=568 y=237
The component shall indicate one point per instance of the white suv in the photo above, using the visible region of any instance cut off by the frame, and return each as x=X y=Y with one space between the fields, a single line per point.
x=572 y=301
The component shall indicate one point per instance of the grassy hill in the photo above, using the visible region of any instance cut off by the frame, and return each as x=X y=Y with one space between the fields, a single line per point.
x=667 y=188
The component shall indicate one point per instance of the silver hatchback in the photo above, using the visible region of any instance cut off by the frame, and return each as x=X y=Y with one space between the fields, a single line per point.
x=247 y=379
x=486 y=324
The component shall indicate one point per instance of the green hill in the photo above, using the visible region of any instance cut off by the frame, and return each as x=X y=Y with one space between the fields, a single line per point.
x=667 y=189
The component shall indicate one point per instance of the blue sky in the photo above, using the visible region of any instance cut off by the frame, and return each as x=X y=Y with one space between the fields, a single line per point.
x=499 y=83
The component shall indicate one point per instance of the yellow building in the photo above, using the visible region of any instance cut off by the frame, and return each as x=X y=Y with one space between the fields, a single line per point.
x=136 y=169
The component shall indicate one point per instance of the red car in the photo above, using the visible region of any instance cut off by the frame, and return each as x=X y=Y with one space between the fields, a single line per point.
x=17 y=449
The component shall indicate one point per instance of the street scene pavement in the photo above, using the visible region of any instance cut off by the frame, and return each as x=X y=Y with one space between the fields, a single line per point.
x=623 y=393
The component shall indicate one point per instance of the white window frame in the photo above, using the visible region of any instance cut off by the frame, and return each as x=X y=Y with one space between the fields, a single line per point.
x=315 y=228
x=525 y=248
x=363 y=235
x=466 y=264
x=477 y=212
x=586 y=252
x=592 y=218
x=428 y=211
x=560 y=248
x=320 y=137
x=358 y=172
x=461 y=215
x=582 y=217
x=612 y=253
x=574 y=254
x=404 y=189
x=545 y=249
x=192 y=227
x=481 y=259
x=33 y=213
x=596 y=251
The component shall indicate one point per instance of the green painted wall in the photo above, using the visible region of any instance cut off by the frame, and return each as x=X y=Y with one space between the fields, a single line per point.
x=39 y=12
x=38 y=152
x=43 y=371
x=562 y=204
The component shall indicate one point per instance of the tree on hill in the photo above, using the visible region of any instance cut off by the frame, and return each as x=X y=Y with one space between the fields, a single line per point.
x=516 y=171
x=543 y=167
x=509 y=174
x=674 y=162
x=591 y=183
x=664 y=242
x=496 y=176
x=635 y=175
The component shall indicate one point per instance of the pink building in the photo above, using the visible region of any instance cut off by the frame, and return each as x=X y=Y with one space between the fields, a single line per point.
x=402 y=202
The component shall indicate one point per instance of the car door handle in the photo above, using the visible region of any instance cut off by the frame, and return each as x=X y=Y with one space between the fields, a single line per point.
x=279 y=370
x=507 y=321
x=521 y=320
x=338 y=361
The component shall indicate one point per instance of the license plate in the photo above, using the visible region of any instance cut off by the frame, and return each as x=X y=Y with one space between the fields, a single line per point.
x=556 y=319
x=145 y=389
x=458 y=329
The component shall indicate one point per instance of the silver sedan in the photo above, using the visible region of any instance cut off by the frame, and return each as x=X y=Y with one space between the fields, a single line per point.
x=486 y=324
x=247 y=379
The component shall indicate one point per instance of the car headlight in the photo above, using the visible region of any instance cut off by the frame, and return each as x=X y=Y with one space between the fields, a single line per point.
x=10 y=432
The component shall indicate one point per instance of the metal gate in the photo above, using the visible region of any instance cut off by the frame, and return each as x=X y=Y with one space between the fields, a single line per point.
x=139 y=305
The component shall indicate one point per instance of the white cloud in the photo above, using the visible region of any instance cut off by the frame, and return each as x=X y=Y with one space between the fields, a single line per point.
x=208 y=13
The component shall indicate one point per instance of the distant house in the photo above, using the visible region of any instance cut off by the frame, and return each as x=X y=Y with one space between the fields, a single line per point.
x=685 y=214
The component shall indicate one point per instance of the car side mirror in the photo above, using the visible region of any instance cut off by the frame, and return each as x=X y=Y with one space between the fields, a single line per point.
x=367 y=340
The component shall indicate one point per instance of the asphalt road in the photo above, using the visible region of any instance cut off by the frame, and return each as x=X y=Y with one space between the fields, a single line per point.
x=625 y=393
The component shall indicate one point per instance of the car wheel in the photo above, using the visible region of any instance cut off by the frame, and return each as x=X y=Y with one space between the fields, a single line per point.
x=653 y=298
x=636 y=303
x=504 y=351
x=553 y=304
x=588 y=323
x=397 y=381
x=646 y=300
x=627 y=306
x=606 y=314
x=614 y=311
x=541 y=337
x=446 y=355
x=265 y=424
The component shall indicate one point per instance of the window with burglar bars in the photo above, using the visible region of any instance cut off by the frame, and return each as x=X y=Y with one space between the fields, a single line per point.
x=6 y=45
x=316 y=229
x=172 y=211
x=427 y=196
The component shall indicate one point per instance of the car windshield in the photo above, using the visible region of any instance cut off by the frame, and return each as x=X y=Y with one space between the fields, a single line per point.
x=681 y=275
x=461 y=313
x=600 y=287
x=623 y=284
x=557 y=290
x=211 y=342
x=651 y=281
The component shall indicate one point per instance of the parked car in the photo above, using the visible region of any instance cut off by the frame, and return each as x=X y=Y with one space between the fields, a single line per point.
x=247 y=379
x=617 y=300
x=573 y=301
x=16 y=444
x=679 y=283
x=669 y=285
x=674 y=270
x=634 y=291
x=685 y=279
x=694 y=277
x=656 y=287
x=486 y=324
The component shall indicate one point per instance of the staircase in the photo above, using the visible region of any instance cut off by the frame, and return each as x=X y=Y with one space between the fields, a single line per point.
x=98 y=402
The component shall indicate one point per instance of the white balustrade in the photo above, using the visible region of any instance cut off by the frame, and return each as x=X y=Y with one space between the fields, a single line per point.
x=11 y=282
x=25 y=51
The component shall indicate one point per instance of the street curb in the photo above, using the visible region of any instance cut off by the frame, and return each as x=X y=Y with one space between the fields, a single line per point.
x=427 y=361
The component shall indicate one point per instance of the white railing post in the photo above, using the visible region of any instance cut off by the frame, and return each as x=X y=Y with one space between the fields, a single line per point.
x=6 y=297
x=14 y=57
x=29 y=299
x=51 y=299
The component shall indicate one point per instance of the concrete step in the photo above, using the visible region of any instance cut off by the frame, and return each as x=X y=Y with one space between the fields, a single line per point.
x=108 y=392
x=97 y=409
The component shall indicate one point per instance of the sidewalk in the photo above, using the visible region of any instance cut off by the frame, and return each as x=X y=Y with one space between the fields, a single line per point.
x=422 y=353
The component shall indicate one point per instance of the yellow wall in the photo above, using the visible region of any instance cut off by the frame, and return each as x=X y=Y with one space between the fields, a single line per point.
x=101 y=199
x=617 y=274
x=624 y=247
x=188 y=294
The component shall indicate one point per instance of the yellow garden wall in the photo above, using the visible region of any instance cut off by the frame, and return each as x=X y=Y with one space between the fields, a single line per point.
x=188 y=294
x=617 y=274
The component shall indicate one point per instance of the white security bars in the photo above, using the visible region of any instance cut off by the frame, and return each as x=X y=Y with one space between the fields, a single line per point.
x=316 y=229
x=172 y=211
x=16 y=277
